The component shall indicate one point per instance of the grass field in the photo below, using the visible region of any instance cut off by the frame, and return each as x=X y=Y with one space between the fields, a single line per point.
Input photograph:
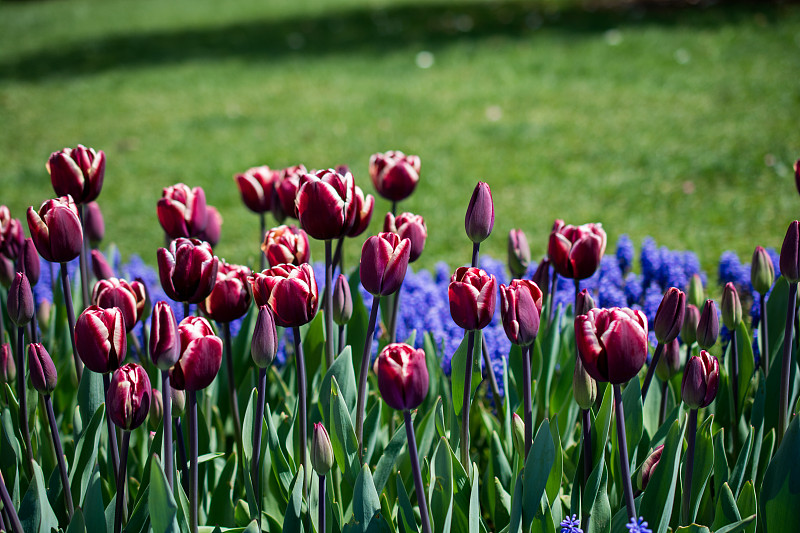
x=677 y=122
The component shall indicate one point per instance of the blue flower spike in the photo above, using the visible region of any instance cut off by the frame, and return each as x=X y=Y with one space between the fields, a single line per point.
x=638 y=526
x=571 y=525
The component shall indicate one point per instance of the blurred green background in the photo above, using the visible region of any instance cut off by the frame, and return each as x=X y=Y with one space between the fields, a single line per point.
x=674 y=120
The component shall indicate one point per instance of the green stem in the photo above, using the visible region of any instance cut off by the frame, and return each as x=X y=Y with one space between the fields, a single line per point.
x=364 y=372
x=691 y=431
x=62 y=466
x=418 y=486
x=126 y=437
x=787 y=361
x=623 y=453
x=467 y=402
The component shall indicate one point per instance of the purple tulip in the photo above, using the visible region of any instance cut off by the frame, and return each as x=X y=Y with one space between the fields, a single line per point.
x=342 y=301
x=669 y=363
x=402 y=376
x=575 y=251
x=114 y=292
x=364 y=205
x=182 y=211
x=286 y=191
x=77 y=172
x=479 y=220
x=326 y=204
x=230 y=299
x=100 y=338
x=100 y=266
x=384 y=261
x=649 y=466
x=201 y=355
x=30 y=261
x=265 y=338
x=731 y=307
x=472 y=294
x=394 y=174
x=11 y=235
x=257 y=187
x=691 y=319
x=44 y=377
x=8 y=369
x=762 y=271
x=584 y=303
x=290 y=292
x=612 y=343
x=700 y=380
x=519 y=253
x=708 y=326
x=56 y=230
x=20 y=300
x=790 y=253
x=213 y=229
x=322 y=458
x=669 y=317
x=286 y=244
x=188 y=270
x=520 y=307
x=542 y=276
x=165 y=344
x=94 y=223
x=129 y=396
x=408 y=226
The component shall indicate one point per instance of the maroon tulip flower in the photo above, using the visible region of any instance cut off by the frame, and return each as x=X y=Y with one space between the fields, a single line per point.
x=286 y=244
x=56 y=230
x=394 y=174
x=8 y=370
x=230 y=298
x=691 y=320
x=114 y=292
x=408 y=226
x=342 y=301
x=322 y=458
x=700 y=380
x=20 y=300
x=520 y=307
x=384 y=261
x=257 y=187
x=326 y=204
x=576 y=251
x=44 y=377
x=708 y=326
x=797 y=174
x=290 y=291
x=585 y=303
x=7 y=271
x=402 y=376
x=649 y=467
x=100 y=266
x=30 y=262
x=11 y=235
x=156 y=413
x=731 y=306
x=95 y=225
x=669 y=317
x=790 y=253
x=669 y=363
x=363 y=209
x=519 y=253
x=100 y=339
x=265 y=338
x=213 y=230
x=129 y=396
x=472 y=294
x=541 y=276
x=479 y=220
x=612 y=343
x=165 y=344
x=286 y=188
x=188 y=270
x=182 y=211
x=201 y=355
x=77 y=172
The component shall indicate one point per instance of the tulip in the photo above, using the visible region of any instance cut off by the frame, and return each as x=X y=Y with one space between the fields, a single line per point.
x=612 y=343
x=256 y=186
x=30 y=262
x=708 y=326
x=584 y=387
x=342 y=301
x=696 y=294
x=188 y=270
x=211 y=233
x=114 y=292
x=265 y=339
x=286 y=244
x=797 y=174
x=584 y=303
x=519 y=253
x=384 y=261
x=11 y=235
x=472 y=294
x=20 y=300
x=408 y=226
x=100 y=266
x=479 y=219
x=7 y=271
x=790 y=253
x=230 y=298
x=201 y=355
x=576 y=251
x=326 y=204
x=182 y=211
x=649 y=466
x=669 y=317
x=518 y=433
x=520 y=306
x=691 y=319
x=364 y=205
x=178 y=398
x=56 y=230
x=100 y=338
x=156 y=414
x=165 y=347
x=286 y=191
x=8 y=370
x=731 y=307
x=321 y=450
x=762 y=275
x=290 y=292
x=394 y=174
x=670 y=362
x=43 y=375
x=94 y=224
x=77 y=172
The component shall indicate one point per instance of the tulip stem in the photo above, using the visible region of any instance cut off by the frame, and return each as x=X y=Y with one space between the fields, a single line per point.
x=126 y=438
x=476 y=250
x=166 y=396
x=321 y=498
x=787 y=361
x=83 y=262
x=526 y=394
x=263 y=220
x=414 y=456
x=487 y=363
x=341 y=338
x=328 y=304
x=23 y=400
x=182 y=455
x=393 y=320
x=34 y=326
x=62 y=466
x=651 y=369
x=70 y=319
x=362 y=377
x=301 y=399
x=192 y=398
x=735 y=373
x=552 y=297
x=337 y=256
x=662 y=413
x=8 y=506
x=232 y=399
x=112 y=434
x=587 y=445
x=577 y=283
x=764 y=335
x=187 y=310
x=465 y=406
x=688 y=467
x=258 y=423
x=625 y=468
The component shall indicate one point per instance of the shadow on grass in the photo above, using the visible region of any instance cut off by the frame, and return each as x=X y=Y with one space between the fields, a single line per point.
x=371 y=30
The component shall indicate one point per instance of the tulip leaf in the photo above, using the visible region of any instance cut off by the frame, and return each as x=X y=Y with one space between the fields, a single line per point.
x=389 y=457
x=154 y=449
x=342 y=370
x=372 y=428
x=500 y=464
x=367 y=516
x=433 y=362
x=517 y=503
x=742 y=525
x=736 y=479
x=85 y=456
x=35 y=512
x=357 y=326
x=777 y=303
x=747 y=505
x=747 y=364
x=692 y=528
x=248 y=427
x=90 y=394
x=551 y=346
x=280 y=466
x=537 y=470
x=767 y=448
x=314 y=344
x=343 y=436
x=554 y=479
x=221 y=509
x=241 y=344
x=502 y=506
x=93 y=509
x=458 y=365
x=726 y=511
x=441 y=489
x=601 y=425
x=703 y=465
x=162 y=508
x=600 y=510
x=780 y=490
x=292 y=519
x=658 y=498
x=78 y=523
x=405 y=512
x=474 y=514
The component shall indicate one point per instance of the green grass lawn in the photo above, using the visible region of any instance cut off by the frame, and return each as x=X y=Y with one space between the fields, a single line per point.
x=680 y=122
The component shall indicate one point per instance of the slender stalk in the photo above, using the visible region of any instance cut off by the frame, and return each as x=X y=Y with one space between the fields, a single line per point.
x=263 y=220
x=342 y=339
x=113 y=451
x=70 y=319
x=232 y=399
x=166 y=396
x=393 y=320
x=23 y=400
x=364 y=372
x=182 y=461
x=8 y=506
x=321 y=521
x=84 y=267
x=258 y=423
x=552 y=297
x=487 y=364
x=787 y=361
x=689 y=467
x=62 y=466
x=623 y=453
x=328 y=304
x=587 y=445
x=764 y=334
x=394 y=207
x=301 y=409
x=126 y=438
x=34 y=336
x=735 y=373
x=651 y=369
x=577 y=283
x=187 y=310
x=476 y=250
x=467 y=402
x=193 y=502
x=337 y=255
x=418 y=487
x=662 y=413
x=3 y=520
x=526 y=394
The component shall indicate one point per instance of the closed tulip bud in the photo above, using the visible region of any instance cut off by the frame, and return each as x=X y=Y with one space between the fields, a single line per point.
x=114 y=292
x=44 y=377
x=696 y=295
x=6 y=271
x=156 y=411
x=731 y=307
x=797 y=174
x=230 y=299
x=472 y=294
x=708 y=327
x=479 y=221
x=342 y=301
x=519 y=253
x=700 y=380
x=20 y=300
x=384 y=261
x=576 y=251
x=188 y=270
x=201 y=355
x=8 y=370
x=520 y=307
x=30 y=261
x=182 y=211
x=612 y=343
x=290 y=291
x=100 y=339
x=326 y=204
x=94 y=223
x=402 y=376
x=78 y=172
x=542 y=276
x=213 y=229
x=669 y=317
x=669 y=363
x=790 y=253
x=56 y=230
x=584 y=386
x=178 y=402
x=257 y=186
x=518 y=433
x=408 y=226
x=265 y=338
x=12 y=237
x=165 y=344
x=129 y=397
x=143 y=303
x=364 y=205
x=321 y=450
x=691 y=320
x=649 y=467
x=286 y=190
x=286 y=244
x=100 y=267
x=762 y=271
x=585 y=302
x=394 y=174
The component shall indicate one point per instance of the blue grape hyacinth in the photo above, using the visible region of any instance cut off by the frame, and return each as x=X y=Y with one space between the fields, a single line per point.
x=571 y=524
x=638 y=526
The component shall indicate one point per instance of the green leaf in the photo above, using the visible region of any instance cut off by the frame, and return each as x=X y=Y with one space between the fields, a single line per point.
x=221 y=510
x=703 y=465
x=342 y=370
x=777 y=303
x=248 y=427
x=537 y=469
x=721 y=471
x=85 y=457
x=357 y=327
x=90 y=395
x=747 y=505
x=366 y=505
x=77 y=524
x=343 y=436
x=634 y=418
x=474 y=505
x=35 y=512
x=693 y=528
x=741 y=525
x=280 y=466
x=441 y=488
x=161 y=504
x=389 y=458
x=601 y=425
x=93 y=509
x=459 y=369
x=746 y=363
x=405 y=512
x=600 y=515
x=659 y=496
x=502 y=506
x=780 y=490
x=554 y=479
x=740 y=468
x=515 y=523
x=726 y=510
x=500 y=464
x=292 y=520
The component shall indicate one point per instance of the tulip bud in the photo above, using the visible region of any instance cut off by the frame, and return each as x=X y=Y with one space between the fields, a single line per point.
x=520 y=307
x=479 y=221
x=402 y=376
x=518 y=433
x=257 y=186
x=129 y=396
x=408 y=226
x=542 y=276
x=576 y=251
x=612 y=343
x=700 y=380
x=100 y=267
x=94 y=224
x=472 y=294
x=669 y=363
x=585 y=303
x=519 y=253
x=182 y=211
x=364 y=205
x=20 y=300
x=56 y=230
x=731 y=307
x=649 y=467
x=178 y=402
x=201 y=355
x=265 y=338
x=321 y=450
x=708 y=327
x=384 y=261
x=394 y=174
x=100 y=339
x=211 y=233
x=669 y=317
x=584 y=387
x=697 y=295
x=290 y=292
x=286 y=244
x=342 y=301
x=326 y=204
x=156 y=413
x=691 y=320
x=8 y=370
x=165 y=344
x=44 y=377
x=762 y=271
x=790 y=253
x=230 y=298
x=6 y=271
x=187 y=270
x=30 y=262
x=78 y=172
